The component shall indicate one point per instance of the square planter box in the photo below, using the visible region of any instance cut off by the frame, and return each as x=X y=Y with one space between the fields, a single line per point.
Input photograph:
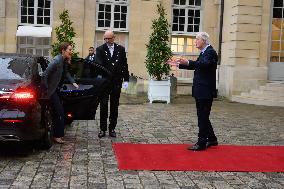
x=159 y=90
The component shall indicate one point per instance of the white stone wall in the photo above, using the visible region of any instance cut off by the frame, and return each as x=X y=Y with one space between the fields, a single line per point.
x=8 y=25
x=244 y=42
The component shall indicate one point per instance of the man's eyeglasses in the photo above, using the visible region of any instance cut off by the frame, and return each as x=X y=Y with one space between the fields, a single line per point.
x=108 y=38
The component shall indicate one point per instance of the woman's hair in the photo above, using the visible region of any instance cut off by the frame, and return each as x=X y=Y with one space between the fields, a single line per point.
x=64 y=46
x=204 y=36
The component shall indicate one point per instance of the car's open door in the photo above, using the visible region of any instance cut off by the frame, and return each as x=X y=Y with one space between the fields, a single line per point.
x=82 y=103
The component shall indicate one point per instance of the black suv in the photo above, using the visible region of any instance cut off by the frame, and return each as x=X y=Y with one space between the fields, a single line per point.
x=24 y=114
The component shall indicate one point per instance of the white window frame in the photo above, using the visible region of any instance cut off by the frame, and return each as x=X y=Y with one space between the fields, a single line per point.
x=181 y=74
x=112 y=3
x=33 y=47
x=35 y=14
x=280 y=41
x=184 y=52
x=185 y=75
x=184 y=33
x=186 y=8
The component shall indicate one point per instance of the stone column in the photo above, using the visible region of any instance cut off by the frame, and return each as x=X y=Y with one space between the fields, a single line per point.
x=2 y=25
x=77 y=15
x=241 y=68
x=8 y=25
x=89 y=26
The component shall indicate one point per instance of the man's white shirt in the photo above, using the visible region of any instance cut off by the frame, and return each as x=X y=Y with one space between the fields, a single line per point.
x=204 y=49
x=111 y=49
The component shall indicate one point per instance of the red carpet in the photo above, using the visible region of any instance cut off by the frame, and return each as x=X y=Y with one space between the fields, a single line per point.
x=176 y=157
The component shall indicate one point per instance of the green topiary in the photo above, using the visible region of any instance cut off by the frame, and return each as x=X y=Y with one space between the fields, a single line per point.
x=158 y=49
x=64 y=33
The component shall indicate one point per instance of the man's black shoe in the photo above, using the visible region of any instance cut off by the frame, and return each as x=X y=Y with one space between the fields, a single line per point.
x=197 y=147
x=112 y=133
x=211 y=143
x=102 y=134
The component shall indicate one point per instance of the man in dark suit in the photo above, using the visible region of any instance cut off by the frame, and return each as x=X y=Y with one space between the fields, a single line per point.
x=89 y=70
x=203 y=89
x=113 y=57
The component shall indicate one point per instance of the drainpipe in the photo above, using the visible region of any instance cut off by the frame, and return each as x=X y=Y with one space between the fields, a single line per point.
x=84 y=23
x=220 y=32
x=220 y=43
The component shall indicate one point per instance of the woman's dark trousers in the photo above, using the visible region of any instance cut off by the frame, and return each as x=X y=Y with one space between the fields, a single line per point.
x=57 y=115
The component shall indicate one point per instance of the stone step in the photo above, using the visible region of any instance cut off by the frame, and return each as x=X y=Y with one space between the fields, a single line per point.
x=258 y=101
x=272 y=88
x=266 y=93
x=271 y=94
x=262 y=97
x=275 y=84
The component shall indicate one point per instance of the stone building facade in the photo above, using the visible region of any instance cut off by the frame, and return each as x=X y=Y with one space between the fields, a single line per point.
x=246 y=34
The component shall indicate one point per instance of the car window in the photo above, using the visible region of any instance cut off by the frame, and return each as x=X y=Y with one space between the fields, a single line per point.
x=19 y=67
x=7 y=71
x=42 y=64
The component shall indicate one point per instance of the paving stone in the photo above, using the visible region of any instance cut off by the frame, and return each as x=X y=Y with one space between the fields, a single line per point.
x=86 y=161
x=133 y=186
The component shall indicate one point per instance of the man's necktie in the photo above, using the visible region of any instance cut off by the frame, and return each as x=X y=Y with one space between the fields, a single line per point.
x=110 y=50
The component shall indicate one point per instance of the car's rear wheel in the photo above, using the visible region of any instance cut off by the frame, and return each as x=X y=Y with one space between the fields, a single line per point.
x=47 y=139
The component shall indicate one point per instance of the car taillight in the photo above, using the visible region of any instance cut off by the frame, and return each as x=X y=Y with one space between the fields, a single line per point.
x=5 y=96
x=69 y=115
x=20 y=95
x=23 y=95
x=13 y=121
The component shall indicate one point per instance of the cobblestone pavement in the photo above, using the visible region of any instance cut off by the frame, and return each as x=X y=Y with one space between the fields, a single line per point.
x=88 y=162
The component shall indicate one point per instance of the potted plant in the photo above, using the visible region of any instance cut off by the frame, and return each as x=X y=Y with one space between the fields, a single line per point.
x=158 y=53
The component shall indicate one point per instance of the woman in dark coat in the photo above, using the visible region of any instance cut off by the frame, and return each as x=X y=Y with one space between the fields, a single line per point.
x=53 y=78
